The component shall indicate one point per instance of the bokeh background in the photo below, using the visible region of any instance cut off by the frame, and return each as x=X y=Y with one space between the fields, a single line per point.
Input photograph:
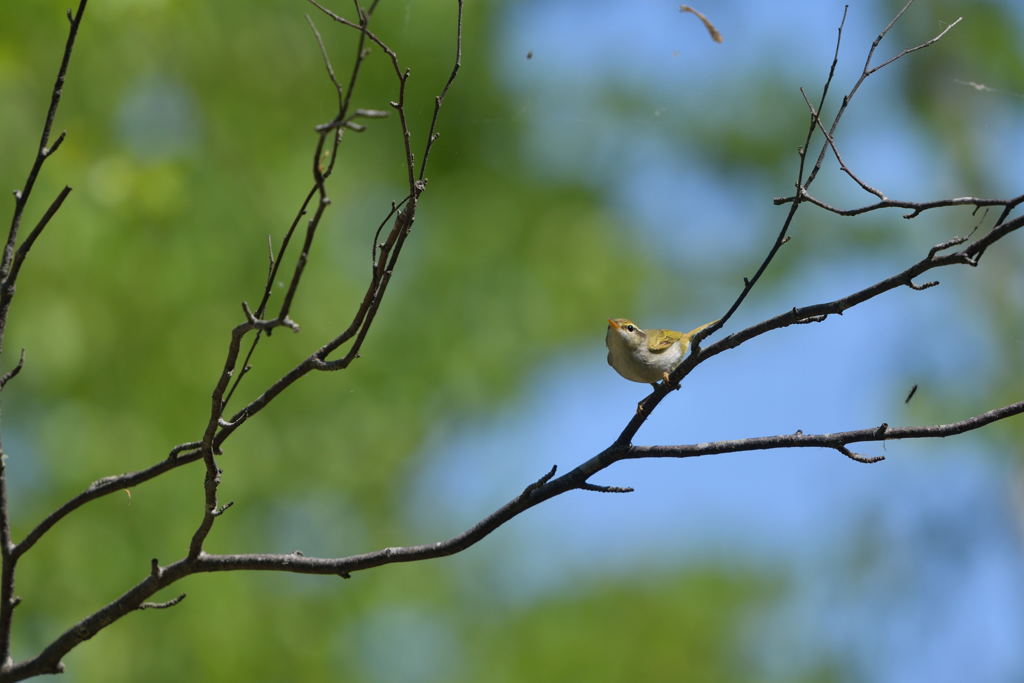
x=597 y=159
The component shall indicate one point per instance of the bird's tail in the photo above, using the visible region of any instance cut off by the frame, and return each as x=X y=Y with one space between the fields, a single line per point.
x=694 y=331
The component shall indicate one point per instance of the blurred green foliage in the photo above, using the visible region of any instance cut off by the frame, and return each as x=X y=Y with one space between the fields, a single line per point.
x=189 y=142
x=643 y=627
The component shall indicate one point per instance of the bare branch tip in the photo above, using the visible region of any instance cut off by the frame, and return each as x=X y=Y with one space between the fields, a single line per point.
x=858 y=457
x=371 y=113
x=180 y=448
x=248 y=313
x=13 y=372
x=47 y=151
x=586 y=486
x=162 y=605
x=540 y=482
x=956 y=241
x=218 y=511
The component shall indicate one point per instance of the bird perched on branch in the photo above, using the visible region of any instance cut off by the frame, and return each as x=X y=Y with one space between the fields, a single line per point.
x=646 y=355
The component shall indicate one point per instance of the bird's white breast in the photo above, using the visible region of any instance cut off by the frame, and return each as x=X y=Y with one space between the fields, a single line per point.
x=642 y=365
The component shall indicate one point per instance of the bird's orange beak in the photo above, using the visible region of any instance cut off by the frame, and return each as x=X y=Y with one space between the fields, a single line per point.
x=614 y=324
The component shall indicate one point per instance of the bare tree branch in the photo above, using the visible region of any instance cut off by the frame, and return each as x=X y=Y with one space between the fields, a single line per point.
x=883 y=201
x=917 y=208
x=162 y=605
x=217 y=429
x=544 y=489
x=180 y=455
x=10 y=266
x=796 y=316
x=783 y=235
x=432 y=133
x=23 y=249
x=907 y=51
x=13 y=372
x=22 y=196
x=651 y=401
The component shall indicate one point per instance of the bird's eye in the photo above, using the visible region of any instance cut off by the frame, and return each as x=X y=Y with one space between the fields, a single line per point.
x=630 y=328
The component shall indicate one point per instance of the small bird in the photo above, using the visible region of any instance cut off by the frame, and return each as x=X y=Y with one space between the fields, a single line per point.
x=646 y=355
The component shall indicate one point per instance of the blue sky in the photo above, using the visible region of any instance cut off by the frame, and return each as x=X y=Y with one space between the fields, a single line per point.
x=939 y=597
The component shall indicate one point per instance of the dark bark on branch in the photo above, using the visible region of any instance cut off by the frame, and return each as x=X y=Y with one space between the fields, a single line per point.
x=10 y=267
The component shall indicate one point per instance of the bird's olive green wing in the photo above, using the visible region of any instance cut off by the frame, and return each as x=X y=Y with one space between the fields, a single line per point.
x=658 y=341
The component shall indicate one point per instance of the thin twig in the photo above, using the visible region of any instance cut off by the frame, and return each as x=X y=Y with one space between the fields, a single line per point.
x=866 y=72
x=917 y=208
x=327 y=63
x=921 y=46
x=10 y=265
x=21 y=197
x=432 y=133
x=386 y=253
x=783 y=235
x=24 y=247
x=162 y=605
x=13 y=372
